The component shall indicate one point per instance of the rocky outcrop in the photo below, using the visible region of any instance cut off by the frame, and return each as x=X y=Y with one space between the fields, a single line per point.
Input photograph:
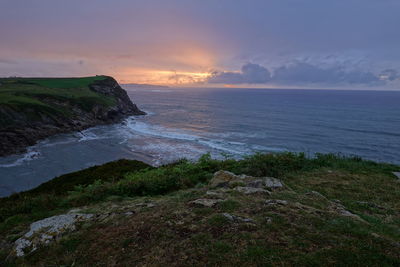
x=44 y=231
x=26 y=132
x=244 y=183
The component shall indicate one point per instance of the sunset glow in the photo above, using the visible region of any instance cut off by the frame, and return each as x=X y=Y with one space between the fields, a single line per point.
x=161 y=77
x=193 y=43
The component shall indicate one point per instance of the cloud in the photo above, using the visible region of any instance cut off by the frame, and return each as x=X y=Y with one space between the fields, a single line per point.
x=7 y=61
x=249 y=74
x=303 y=73
x=389 y=75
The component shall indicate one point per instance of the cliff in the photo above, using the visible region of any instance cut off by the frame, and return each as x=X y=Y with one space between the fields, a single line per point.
x=35 y=108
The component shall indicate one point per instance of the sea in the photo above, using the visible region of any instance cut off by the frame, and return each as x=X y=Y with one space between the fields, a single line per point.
x=226 y=122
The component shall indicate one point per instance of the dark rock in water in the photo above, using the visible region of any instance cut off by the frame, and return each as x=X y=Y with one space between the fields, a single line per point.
x=18 y=130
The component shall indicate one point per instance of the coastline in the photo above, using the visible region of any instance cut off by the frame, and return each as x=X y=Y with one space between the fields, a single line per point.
x=52 y=114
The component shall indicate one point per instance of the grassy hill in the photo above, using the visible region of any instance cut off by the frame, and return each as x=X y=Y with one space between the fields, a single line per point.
x=332 y=210
x=35 y=108
x=35 y=96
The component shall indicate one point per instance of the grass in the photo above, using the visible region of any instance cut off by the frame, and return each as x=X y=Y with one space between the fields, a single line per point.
x=305 y=232
x=35 y=97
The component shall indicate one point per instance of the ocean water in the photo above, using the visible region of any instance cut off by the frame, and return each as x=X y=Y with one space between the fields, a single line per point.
x=186 y=123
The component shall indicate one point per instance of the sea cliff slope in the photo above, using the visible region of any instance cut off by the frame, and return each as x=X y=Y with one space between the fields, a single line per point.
x=35 y=108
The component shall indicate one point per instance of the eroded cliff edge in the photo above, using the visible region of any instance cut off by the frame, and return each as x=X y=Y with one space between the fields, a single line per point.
x=33 y=109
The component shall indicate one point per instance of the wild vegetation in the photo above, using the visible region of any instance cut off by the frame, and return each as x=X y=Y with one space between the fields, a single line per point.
x=35 y=96
x=32 y=109
x=147 y=215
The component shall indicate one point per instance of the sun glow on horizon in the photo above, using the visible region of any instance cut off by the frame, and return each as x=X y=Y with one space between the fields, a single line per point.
x=162 y=77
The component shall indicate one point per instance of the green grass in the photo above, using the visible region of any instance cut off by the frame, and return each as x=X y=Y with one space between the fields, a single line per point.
x=34 y=97
x=50 y=197
x=303 y=233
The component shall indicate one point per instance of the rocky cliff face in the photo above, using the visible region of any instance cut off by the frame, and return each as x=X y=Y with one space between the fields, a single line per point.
x=23 y=131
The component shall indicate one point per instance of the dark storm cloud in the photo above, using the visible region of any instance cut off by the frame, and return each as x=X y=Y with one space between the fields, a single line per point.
x=249 y=74
x=305 y=73
x=301 y=73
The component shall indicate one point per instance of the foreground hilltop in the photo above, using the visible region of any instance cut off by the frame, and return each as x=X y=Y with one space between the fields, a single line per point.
x=35 y=108
x=265 y=210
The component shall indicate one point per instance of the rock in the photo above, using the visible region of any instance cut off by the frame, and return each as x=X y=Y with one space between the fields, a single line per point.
x=272 y=183
x=397 y=174
x=222 y=178
x=77 y=210
x=272 y=202
x=206 y=202
x=146 y=205
x=128 y=213
x=370 y=204
x=44 y=231
x=375 y=235
x=216 y=194
x=229 y=179
x=258 y=183
x=316 y=194
x=338 y=208
x=268 y=219
x=251 y=190
x=25 y=131
x=234 y=218
x=228 y=216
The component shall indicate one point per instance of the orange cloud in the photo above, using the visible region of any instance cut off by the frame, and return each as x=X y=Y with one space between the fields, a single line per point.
x=162 y=77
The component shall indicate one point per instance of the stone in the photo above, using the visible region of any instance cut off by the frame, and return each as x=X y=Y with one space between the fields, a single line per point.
x=128 y=213
x=251 y=190
x=228 y=216
x=273 y=183
x=370 y=204
x=222 y=179
x=146 y=205
x=272 y=202
x=258 y=183
x=234 y=218
x=375 y=235
x=338 y=208
x=268 y=219
x=316 y=194
x=46 y=230
x=206 y=202
x=397 y=174
x=214 y=194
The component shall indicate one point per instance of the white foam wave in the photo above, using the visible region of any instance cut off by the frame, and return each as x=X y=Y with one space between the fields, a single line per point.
x=221 y=145
x=158 y=131
x=30 y=155
x=87 y=135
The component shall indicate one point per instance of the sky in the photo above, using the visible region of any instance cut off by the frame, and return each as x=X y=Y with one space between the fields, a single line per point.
x=235 y=43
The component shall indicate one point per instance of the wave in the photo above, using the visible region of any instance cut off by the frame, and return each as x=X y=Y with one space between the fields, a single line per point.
x=222 y=145
x=30 y=155
x=88 y=135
